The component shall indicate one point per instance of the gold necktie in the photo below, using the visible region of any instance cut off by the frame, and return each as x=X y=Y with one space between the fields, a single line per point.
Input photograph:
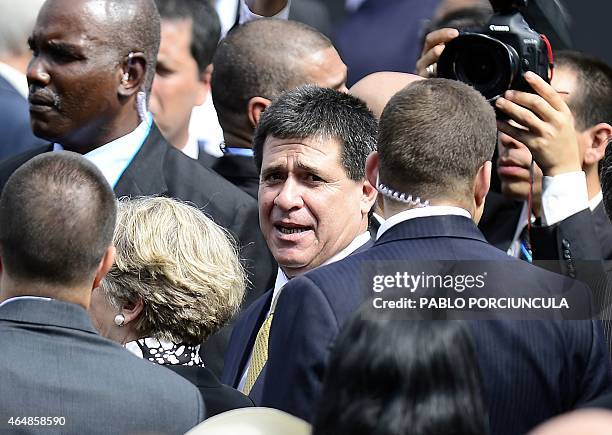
x=260 y=354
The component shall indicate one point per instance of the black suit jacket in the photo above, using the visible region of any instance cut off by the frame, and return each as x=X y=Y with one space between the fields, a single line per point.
x=588 y=234
x=54 y=364
x=218 y=398
x=160 y=169
x=240 y=171
x=16 y=135
x=532 y=370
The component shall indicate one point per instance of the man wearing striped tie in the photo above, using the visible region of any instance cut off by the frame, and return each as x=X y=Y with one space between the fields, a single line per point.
x=310 y=147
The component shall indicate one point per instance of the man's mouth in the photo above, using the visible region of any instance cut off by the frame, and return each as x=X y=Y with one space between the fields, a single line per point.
x=291 y=228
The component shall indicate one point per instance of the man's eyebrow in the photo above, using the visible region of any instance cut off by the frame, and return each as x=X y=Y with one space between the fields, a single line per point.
x=304 y=167
x=65 y=46
x=271 y=170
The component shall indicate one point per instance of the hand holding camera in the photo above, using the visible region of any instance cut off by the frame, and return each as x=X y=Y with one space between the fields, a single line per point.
x=546 y=126
x=432 y=49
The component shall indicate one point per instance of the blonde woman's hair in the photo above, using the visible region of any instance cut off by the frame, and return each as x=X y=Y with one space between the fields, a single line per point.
x=185 y=268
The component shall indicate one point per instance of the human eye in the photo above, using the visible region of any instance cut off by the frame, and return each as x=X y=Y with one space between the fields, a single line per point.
x=32 y=46
x=314 y=178
x=162 y=70
x=273 y=177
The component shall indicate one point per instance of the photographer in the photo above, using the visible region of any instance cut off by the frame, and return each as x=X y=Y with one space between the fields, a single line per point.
x=564 y=128
x=565 y=151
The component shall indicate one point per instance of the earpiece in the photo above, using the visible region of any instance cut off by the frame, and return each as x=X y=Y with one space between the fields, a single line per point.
x=126 y=74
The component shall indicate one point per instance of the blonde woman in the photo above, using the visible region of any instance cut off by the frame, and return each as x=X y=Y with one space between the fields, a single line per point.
x=176 y=280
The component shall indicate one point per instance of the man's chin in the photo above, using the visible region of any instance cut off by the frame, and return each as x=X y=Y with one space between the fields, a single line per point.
x=515 y=191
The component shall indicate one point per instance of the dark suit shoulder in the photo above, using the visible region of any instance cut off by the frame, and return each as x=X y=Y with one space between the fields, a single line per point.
x=10 y=165
x=218 y=397
x=188 y=180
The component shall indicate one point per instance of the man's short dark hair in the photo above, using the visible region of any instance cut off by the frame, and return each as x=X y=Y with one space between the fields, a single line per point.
x=206 y=27
x=135 y=26
x=57 y=217
x=311 y=111
x=592 y=103
x=434 y=136
x=261 y=59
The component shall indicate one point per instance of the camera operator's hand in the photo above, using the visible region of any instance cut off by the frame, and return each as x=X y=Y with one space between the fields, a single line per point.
x=549 y=126
x=433 y=48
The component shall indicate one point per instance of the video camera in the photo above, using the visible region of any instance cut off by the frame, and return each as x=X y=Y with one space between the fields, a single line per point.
x=495 y=58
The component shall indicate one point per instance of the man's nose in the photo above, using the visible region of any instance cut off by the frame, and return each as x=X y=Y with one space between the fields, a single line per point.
x=37 y=72
x=290 y=195
x=508 y=142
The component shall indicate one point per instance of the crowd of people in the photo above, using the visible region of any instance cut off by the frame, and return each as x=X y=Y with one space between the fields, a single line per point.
x=148 y=283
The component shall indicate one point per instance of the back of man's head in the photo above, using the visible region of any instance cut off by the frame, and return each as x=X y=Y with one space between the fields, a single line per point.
x=57 y=217
x=16 y=23
x=261 y=58
x=434 y=136
x=315 y=112
x=206 y=27
x=592 y=103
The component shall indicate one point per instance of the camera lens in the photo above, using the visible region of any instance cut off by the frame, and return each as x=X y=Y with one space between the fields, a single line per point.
x=483 y=62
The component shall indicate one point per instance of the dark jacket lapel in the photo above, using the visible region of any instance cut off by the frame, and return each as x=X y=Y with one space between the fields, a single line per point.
x=145 y=174
x=245 y=331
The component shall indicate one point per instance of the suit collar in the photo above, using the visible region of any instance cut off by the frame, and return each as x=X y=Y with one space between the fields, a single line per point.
x=47 y=313
x=145 y=174
x=432 y=226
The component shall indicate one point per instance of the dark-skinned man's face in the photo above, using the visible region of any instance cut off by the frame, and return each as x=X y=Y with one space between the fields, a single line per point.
x=74 y=72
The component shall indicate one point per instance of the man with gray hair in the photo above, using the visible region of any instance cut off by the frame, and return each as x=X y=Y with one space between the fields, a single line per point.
x=310 y=148
x=16 y=22
x=57 y=216
x=433 y=169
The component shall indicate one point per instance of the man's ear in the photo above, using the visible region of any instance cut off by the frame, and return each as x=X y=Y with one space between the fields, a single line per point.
x=204 y=85
x=104 y=266
x=598 y=137
x=131 y=310
x=482 y=182
x=255 y=108
x=372 y=167
x=369 y=186
x=132 y=74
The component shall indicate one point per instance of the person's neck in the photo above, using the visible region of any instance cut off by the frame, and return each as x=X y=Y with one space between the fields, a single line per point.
x=237 y=139
x=88 y=140
x=179 y=141
x=593 y=184
x=20 y=62
x=73 y=294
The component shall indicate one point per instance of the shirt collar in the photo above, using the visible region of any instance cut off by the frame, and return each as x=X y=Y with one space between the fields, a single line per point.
x=358 y=242
x=595 y=201
x=114 y=157
x=192 y=148
x=17 y=298
x=432 y=210
x=16 y=78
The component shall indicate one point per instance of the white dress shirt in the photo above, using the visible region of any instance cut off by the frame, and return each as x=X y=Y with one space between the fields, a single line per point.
x=114 y=157
x=281 y=280
x=562 y=196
